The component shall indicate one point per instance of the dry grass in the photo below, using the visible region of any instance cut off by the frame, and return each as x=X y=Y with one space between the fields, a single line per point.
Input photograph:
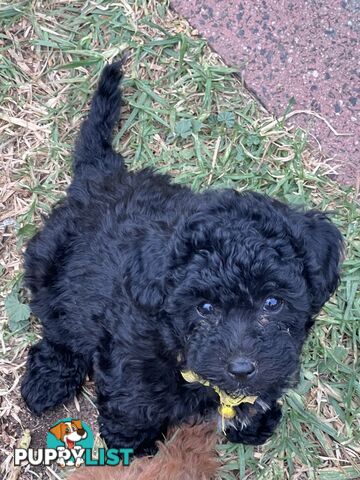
x=189 y=115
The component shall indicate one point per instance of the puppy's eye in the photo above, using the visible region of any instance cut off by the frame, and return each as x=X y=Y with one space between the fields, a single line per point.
x=273 y=304
x=205 y=309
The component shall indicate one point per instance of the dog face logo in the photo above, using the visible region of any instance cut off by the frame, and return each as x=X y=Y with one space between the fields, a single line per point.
x=69 y=432
x=70 y=437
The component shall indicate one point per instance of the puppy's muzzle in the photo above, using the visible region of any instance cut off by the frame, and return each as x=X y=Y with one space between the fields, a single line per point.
x=242 y=368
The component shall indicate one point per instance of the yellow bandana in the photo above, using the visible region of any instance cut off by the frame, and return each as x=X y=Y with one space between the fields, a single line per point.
x=227 y=403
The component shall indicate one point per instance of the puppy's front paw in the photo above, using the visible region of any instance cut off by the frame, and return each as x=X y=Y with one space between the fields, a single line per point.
x=256 y=428
x=53 y=376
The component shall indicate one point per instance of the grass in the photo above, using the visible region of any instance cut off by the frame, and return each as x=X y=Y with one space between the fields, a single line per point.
x=187 y=114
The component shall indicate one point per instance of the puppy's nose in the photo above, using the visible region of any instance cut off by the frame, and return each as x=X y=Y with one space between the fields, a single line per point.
x=81 y=431
x=241 y=367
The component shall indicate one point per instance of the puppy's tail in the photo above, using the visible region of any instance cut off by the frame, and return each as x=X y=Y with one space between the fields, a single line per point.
x=93 y=149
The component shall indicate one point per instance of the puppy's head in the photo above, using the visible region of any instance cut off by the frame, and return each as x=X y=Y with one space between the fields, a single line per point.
x=247 y=275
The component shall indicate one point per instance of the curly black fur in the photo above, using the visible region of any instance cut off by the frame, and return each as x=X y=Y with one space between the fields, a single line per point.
x=122 y=263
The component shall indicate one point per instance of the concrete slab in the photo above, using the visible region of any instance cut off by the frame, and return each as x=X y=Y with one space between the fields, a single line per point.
x=306 y=49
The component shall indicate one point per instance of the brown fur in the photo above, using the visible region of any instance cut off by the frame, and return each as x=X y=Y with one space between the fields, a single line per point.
x=187 y=454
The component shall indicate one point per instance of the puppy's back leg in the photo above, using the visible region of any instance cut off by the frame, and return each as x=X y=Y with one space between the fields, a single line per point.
x=53 y=376
x=94 y=154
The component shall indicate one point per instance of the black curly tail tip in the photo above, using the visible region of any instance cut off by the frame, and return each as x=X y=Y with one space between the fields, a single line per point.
x=112 y=74
x=109 y=81
x=94 y=145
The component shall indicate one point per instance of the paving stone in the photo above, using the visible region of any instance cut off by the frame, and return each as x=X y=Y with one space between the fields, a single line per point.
x=306 y=50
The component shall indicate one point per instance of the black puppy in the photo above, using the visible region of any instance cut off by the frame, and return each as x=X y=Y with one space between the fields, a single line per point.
x=136 y=279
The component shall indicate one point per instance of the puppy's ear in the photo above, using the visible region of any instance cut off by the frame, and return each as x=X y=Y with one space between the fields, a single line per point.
x=147 y=295
x=77 y=423
x=193 y=234
x=58 y=430
x=322 y=246
x=143 y=280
